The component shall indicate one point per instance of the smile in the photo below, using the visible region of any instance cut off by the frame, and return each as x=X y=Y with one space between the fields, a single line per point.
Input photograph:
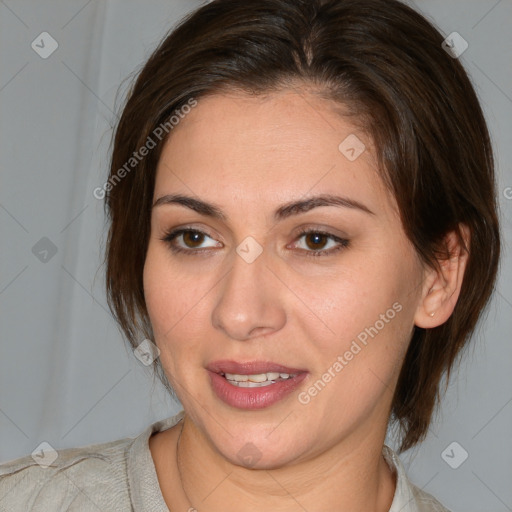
x=257 y=380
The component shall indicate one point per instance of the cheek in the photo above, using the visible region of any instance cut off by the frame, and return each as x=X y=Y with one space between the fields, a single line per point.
x=169 y=294
x=343 y=306
x=354 y=376
x=367 y=320
x=176 y=306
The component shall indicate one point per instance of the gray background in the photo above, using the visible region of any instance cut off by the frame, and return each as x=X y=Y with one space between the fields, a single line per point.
x=66 y=376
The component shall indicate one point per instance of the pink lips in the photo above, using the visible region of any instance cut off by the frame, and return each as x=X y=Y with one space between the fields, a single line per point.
x=250 y=367
x=257 y=397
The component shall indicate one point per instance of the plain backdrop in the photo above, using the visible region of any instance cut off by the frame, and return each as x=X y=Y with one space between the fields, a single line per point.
x=66 y=375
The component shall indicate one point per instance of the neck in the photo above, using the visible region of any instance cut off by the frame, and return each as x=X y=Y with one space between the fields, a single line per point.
x=353 y=474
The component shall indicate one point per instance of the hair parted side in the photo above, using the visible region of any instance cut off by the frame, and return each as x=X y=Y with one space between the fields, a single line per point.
x=382 y=62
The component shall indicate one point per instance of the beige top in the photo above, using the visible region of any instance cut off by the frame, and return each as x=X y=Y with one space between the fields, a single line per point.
x=121 y=476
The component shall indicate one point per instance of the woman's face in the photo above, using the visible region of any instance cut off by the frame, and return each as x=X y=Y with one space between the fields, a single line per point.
x=245 y=285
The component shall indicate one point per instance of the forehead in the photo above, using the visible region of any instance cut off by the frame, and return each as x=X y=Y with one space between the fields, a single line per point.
x=282 y=146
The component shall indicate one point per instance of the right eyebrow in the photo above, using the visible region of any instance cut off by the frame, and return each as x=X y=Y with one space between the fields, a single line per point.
x=287 y=210
x=198 y=206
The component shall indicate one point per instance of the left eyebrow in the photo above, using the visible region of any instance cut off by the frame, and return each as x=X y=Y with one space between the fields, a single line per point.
x=199 y=206
x=297 y=207
x=283 y=212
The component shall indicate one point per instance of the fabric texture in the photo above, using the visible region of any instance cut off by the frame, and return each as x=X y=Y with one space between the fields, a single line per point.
x=121 y=476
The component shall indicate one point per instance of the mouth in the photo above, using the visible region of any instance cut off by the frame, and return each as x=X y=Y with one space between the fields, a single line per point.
x=251 y=368
x=253 y=374
x=254 y=384
x=257 y=380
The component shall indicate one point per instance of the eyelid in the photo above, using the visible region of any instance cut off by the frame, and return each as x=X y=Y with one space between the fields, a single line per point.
x=172 y=234
x=320 y=228
x=342 y=242
x=191 y=227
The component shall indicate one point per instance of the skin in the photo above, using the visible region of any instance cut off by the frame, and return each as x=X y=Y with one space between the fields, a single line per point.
x=249 y=156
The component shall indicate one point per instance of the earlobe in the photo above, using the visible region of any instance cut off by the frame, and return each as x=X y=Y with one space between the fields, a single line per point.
x=441 y=286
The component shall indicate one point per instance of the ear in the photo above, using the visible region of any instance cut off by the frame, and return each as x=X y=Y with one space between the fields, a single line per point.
x=441 y=288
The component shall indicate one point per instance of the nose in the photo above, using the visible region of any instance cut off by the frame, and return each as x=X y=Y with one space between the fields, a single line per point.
x=248 y=303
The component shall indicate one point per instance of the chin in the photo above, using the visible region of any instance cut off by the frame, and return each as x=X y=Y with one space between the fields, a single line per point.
x=249 y=456
x=256 y=449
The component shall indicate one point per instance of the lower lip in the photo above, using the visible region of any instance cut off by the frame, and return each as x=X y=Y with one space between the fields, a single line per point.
x=253 y=398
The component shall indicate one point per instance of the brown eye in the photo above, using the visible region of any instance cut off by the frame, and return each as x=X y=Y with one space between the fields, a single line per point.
x=315 y=241
x=190 y=241
x=318 y=243
x=193 y=239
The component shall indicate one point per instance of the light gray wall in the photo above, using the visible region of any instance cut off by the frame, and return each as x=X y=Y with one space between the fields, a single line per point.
x=66 y=376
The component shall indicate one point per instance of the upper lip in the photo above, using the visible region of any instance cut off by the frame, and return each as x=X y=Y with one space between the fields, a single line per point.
x=250 y=367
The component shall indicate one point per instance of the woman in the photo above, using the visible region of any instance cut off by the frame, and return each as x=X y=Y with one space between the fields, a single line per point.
x=303 y=221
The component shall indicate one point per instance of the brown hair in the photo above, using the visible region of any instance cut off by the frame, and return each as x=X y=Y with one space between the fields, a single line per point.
x=384 y=62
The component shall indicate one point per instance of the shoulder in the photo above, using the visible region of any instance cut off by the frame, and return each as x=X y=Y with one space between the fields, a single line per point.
x=92 y=477
x=409 y=497
x=426 y=502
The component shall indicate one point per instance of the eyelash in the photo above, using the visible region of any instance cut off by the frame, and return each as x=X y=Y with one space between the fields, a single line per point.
x=343 y=243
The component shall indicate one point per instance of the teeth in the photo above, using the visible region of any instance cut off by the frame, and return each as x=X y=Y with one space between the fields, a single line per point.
x=249 y=384
x=237 y=378
x=260 y=379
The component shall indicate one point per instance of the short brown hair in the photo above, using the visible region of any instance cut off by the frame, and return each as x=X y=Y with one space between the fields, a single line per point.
x=385 y=63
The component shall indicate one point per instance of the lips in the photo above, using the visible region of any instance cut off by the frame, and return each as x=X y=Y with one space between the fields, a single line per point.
x=252 y=398
x=251 y=367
